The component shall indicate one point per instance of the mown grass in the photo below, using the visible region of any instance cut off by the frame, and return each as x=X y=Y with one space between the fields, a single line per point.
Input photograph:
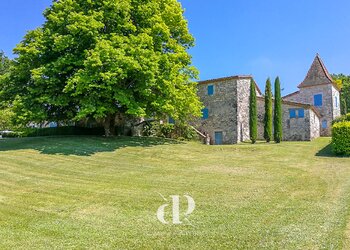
x=90 y=192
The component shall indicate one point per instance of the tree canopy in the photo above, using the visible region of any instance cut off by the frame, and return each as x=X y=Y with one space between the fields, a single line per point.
x=5 y=63
x=102 y=58
x=343 y=81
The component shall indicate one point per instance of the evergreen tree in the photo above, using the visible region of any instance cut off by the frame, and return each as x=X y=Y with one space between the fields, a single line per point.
x=253 y=113
x=278 y=112
x=268 y=112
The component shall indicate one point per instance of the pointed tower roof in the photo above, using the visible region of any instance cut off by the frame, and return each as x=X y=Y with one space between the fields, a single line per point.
x=317 y=75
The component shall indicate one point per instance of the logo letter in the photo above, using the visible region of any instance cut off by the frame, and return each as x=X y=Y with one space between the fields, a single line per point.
x=176 y=209
x=160 y=214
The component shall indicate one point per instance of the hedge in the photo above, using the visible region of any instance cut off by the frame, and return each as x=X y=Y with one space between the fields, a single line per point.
x=342 y=118
x=341 y=138
x=59 y=131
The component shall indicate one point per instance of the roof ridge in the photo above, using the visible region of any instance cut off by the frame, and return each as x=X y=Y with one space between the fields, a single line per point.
x=324 y=67
x=291 y=94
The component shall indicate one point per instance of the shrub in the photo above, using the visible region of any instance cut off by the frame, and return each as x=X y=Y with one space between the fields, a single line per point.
x=12 y=134
x=341 y=138
x=173 y=131
x=6 y=119
x=342 y=118
x=59 y=131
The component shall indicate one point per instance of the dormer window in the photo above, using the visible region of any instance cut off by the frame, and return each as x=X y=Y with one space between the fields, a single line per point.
x=318 y=100
x=210 y=89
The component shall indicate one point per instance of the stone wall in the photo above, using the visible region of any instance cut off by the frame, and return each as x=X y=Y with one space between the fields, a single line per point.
x=327 y=111
x=294 y=129
x=222 y=110
x=243 y=94
x=228 y=109
x=336 y=103
x=314 y=125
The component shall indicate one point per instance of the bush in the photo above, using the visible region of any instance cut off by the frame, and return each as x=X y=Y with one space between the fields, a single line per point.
x=6 y=119
x=59 y=131
x=173 y=131
x=11 y=134
x=342 y=118
x=341 y=138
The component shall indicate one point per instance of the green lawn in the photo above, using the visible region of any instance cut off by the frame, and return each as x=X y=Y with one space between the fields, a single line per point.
x=81 y=192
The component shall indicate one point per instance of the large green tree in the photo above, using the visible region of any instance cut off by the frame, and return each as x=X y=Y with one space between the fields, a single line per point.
x=344 y=82
x=106 y=58
x=278 y=112
x=268 y=120
x=253 y=113
x=5 y=63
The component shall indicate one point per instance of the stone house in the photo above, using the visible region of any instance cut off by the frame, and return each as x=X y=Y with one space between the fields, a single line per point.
x=301 y=122
x=319 y=90
x=307 y=113
x=226 y=113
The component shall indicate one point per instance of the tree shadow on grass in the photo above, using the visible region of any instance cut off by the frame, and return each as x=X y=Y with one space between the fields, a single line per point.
x=327 y=152
x=80 y=145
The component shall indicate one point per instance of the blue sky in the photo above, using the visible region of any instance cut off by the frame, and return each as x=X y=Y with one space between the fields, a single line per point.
x=234 y=37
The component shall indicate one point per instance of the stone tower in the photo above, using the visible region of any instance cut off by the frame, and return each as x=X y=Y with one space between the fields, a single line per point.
x=319 y=90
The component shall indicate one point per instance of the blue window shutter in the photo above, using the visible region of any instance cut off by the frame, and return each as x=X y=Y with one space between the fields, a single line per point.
x=301 y=113
x=205 y=113
x=324 y=124
x=318 y=100
x=292 y=113
x=211 y=90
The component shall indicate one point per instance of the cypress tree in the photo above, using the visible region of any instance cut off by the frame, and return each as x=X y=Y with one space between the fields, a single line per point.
x=268 y=112
x=278 y=112
x=253 y=113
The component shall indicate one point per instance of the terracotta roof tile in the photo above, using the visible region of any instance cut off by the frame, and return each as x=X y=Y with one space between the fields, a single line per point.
x=298 y=104
x=317 y=75
x=230 y=78
x=291 y=94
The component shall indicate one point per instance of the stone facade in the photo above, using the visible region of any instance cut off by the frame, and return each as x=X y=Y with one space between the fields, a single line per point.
x=304 y=128
x=227 y=109
x=319 y=82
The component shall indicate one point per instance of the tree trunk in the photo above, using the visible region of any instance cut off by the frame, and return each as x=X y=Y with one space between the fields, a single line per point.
x=109 y=125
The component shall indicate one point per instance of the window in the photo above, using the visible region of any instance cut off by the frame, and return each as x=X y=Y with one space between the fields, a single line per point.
x=336 y=101
x=171 y=120
x=292 y=113
x=324 y=124
x=205 y=113
x=301 y=113
x=211 y=90
x=318 y=100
